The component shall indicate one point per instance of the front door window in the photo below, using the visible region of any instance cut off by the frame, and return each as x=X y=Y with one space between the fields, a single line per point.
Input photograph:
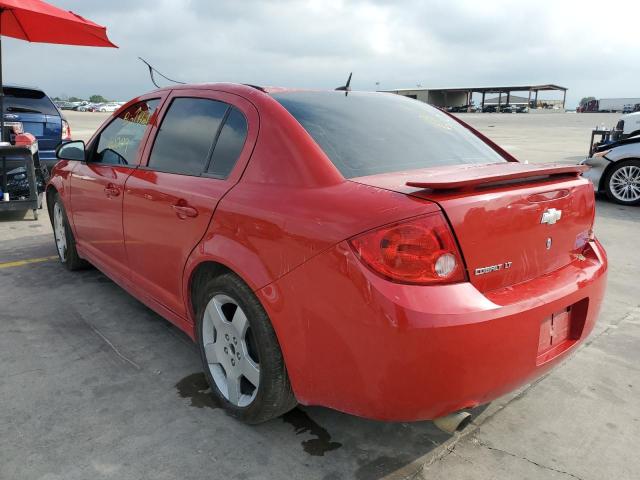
x=120 y=141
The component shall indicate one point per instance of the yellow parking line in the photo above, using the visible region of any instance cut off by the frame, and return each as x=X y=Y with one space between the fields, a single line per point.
x=27 y=261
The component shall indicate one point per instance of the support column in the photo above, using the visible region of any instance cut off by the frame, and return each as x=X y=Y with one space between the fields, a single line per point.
x=535 y=101
x=468 y=101
x=564 y=98
x=2 y=95
x=529 y=101
x=508 y=98
x=499 y=102
x=482 y=105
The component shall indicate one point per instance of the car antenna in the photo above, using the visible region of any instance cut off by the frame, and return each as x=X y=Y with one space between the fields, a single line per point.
x=152 y=69
x=346 y=88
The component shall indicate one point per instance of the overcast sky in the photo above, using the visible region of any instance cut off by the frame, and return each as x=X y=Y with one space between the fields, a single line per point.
x=590 y=47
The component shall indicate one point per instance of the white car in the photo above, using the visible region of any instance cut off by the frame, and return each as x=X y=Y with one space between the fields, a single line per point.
x=109 y=107
x=615 y=170
x=87 y=107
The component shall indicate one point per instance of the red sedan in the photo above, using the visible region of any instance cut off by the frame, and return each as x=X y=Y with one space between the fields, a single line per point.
x=361 y=251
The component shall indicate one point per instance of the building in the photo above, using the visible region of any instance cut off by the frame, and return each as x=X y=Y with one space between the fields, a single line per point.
x=458 y=97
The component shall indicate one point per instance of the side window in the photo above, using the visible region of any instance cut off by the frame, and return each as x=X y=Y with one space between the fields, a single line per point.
x=183 y=143
x=120 y=140
x=229 y=144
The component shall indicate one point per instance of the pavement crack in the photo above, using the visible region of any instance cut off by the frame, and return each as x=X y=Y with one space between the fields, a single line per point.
x=537 y=464
x=613 y=325
x=114 y=348
x=26 y=372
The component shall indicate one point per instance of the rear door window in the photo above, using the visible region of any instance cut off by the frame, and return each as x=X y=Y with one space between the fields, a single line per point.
x=26 y=100
x=119 y=142
x=229 y=145
x=184 y=142
x=365 y=133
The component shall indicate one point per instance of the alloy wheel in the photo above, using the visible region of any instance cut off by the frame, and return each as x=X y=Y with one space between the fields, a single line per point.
x=625 y=183
x=230 y=350
x=59 y=231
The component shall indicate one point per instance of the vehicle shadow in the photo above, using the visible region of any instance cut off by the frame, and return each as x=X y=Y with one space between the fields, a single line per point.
x=106 y=363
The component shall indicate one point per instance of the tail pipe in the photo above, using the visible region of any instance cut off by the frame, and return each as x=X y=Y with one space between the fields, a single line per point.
x=453 y=422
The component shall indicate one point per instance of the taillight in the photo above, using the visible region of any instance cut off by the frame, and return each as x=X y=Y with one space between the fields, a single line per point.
x=66 y=130
x=419 y=251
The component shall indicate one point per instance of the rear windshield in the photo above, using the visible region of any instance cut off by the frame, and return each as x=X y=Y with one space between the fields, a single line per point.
x=25 y=100
x=366 y=133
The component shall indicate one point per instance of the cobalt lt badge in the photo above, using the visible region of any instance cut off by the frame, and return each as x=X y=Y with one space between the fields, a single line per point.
x=549 y=241
x=551 y=216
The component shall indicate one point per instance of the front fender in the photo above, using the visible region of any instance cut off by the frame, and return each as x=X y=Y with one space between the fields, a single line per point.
x=624 y=152
x=59 y=181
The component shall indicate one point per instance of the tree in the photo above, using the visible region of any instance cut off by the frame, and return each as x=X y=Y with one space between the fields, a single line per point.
x=586 y=100
x=97 y=99
x=75 y=99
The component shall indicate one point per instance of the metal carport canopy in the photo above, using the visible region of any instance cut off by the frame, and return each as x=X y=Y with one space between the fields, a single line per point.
x=506 y=89
x=491 y=89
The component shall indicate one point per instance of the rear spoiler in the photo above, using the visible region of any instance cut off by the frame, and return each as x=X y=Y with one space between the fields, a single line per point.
x=469 y=176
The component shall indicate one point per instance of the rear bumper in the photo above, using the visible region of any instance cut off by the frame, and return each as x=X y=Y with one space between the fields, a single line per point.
x=362 y=345
x=48 y=157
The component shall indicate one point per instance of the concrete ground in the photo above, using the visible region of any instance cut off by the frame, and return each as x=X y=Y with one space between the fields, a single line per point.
x=95 y=385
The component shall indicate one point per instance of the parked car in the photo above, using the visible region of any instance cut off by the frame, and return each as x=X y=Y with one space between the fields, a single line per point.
x=460 y=109
x=64 y=105
x=108 y=107
x=615 y=170
x=89 y=107
x=357 y=250
x=39 y=116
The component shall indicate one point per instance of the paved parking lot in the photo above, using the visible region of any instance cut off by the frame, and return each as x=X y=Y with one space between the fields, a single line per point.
x=95 y=385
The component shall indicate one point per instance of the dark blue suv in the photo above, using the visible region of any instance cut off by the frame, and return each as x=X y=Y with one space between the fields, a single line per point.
x=39 y=116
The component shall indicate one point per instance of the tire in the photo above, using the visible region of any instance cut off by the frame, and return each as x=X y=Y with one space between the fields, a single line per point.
x=66 y=247
x=255 y=346
x=622 y=182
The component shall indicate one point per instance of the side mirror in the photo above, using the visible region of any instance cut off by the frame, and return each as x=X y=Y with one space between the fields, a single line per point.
x=71 y=151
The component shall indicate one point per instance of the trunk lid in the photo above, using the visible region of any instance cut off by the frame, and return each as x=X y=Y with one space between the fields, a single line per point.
x=513 y=221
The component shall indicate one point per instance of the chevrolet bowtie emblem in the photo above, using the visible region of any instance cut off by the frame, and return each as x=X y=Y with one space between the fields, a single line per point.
x=551 y=216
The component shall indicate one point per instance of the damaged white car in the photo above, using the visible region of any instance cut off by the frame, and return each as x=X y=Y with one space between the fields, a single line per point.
x=615 y=170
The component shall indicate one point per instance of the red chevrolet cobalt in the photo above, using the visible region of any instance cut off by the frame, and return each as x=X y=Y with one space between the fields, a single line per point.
x=361 y=251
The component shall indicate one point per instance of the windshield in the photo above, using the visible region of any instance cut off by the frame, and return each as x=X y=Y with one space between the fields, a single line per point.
x=25 y=100
x=366 y=133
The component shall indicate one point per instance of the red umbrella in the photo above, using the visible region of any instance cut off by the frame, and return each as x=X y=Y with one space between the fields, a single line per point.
x=37 y=21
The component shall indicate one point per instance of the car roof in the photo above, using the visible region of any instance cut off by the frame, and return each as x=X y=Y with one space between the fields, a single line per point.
x=23 y=87
x=237 y=87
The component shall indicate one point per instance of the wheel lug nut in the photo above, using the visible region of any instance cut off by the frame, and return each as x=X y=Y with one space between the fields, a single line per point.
x=235 y=340
x=238 y=355
x=226 y=337
x=233 y=362
x=225 y=350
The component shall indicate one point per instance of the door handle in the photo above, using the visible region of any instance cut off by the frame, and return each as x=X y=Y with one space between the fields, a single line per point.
x=184 y=211
x=111 y=190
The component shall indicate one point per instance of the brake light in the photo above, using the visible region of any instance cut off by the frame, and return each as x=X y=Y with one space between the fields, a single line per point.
x=418 y=251
x=66 y=130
